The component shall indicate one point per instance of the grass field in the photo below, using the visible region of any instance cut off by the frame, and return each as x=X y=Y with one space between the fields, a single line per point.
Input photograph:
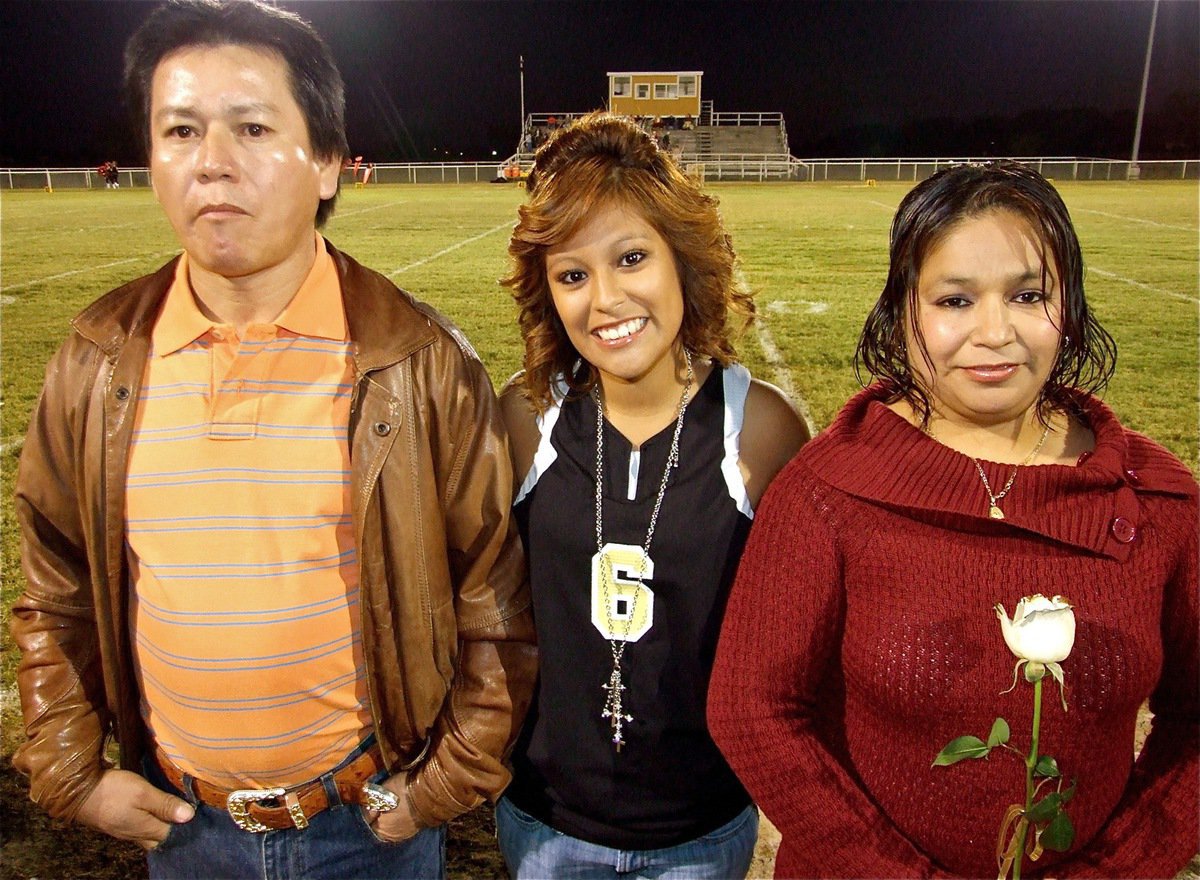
x=816 y=254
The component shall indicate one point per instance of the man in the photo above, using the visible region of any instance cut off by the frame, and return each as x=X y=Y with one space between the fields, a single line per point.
x=264 y=508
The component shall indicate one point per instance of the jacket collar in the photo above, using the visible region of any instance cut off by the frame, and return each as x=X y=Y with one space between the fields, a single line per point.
x=874 y=454
x=385 y=323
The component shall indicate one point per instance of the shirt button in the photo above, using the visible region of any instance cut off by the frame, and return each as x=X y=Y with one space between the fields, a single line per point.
x=1132 y=476
x=1123 y=530
x=383 y=429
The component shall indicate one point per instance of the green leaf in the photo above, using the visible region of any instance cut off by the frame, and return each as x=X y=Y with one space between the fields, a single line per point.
x=1059 y=834
x=999 y=734
x=1046 y=808
x=1047 y=766
x=959 y=748
x=1069 y=793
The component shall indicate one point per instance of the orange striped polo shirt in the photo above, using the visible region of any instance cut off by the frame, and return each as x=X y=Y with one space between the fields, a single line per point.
x=241 y=542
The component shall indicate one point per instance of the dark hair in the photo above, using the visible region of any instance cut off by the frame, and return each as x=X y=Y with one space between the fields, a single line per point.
x=600 y=160
x=1087 y=354
x=314 y=78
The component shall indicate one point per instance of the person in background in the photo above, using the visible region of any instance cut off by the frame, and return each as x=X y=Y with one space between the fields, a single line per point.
x=111 y=174
x=643 y=447
x=265 y=509
x=978 y=468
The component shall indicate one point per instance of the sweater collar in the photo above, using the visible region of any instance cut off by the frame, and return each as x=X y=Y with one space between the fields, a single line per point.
x=874 y=454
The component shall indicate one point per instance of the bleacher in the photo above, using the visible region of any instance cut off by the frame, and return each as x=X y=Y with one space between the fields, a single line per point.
x=730 y=146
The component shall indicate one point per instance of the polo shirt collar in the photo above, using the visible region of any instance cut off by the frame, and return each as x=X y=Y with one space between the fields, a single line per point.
x=316 y=309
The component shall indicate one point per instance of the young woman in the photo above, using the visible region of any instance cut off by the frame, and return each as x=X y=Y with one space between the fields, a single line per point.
x=860 y=637
x=642 y=449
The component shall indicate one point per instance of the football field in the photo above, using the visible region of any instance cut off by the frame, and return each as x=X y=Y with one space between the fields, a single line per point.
x=814 y=254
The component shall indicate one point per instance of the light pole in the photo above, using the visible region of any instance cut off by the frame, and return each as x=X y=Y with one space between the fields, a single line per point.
x=521 y=130
x=1134 y=171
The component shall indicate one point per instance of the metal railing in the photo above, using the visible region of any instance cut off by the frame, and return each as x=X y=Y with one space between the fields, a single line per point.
x=1053 y=167
x=721 y=166
x=428 y=172
x=739 y=166
x=68 y=178
x=751 y=118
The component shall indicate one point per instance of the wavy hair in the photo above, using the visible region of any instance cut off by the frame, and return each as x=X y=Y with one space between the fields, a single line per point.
x=602 y=160
x=1087 y=354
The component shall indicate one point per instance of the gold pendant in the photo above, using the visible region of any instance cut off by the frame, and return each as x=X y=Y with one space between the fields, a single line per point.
x=995 y=512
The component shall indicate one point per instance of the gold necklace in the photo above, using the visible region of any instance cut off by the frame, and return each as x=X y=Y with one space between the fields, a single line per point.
x=994 y=510
x=614 y=709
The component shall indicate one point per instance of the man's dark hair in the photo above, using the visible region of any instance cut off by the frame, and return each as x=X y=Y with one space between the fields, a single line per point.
x=315 y=81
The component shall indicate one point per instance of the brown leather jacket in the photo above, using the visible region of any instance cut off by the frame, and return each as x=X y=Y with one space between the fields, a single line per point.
x=447 y=629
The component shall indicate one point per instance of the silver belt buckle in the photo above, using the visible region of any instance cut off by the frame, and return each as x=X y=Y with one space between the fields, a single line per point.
x=238 y=804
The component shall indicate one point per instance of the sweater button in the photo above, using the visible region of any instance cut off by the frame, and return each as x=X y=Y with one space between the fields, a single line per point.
x=1123 y=530
x=1131 y=476
x=383 y=429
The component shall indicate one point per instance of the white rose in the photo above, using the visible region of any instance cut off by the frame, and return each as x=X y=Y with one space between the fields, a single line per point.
x=1041 y=630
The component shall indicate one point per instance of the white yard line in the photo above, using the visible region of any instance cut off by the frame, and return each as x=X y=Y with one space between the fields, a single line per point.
x=165 y=253
x=780 y=373
x=507 y=224
x=1142 y=285
x=1136 y=220
x=881 y=205
x=337 y=214
x=140 y=259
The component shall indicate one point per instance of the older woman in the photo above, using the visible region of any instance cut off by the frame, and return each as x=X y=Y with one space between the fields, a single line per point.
x=860 y=636
x=644 y=448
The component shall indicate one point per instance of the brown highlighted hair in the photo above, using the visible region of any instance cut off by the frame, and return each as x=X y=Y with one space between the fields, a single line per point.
x=1087 y=354
x=604 y=160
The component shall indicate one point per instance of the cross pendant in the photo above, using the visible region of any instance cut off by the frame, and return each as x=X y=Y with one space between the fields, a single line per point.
x=613 y=709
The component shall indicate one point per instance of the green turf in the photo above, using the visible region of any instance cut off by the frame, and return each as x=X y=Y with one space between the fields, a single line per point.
x=815 y=254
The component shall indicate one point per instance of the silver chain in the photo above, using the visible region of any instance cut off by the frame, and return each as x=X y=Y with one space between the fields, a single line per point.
x=614 y=710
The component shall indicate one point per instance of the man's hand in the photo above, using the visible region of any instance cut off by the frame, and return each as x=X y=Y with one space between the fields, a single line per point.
x=398 y=824
x=128 y=807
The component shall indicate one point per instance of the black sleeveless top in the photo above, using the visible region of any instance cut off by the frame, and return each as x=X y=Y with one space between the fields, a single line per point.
x=669 y=783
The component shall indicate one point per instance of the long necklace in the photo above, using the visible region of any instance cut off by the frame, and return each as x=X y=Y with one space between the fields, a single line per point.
x=994 y=510
x=614 y=709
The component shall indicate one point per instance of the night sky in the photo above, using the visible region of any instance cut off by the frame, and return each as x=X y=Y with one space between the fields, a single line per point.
x=438 y=79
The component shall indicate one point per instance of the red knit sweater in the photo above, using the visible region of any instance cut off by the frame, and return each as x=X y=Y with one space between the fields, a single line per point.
x=860 y=639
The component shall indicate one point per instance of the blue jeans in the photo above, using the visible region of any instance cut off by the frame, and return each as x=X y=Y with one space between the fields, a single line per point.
x=535 y=851
x=337 y=845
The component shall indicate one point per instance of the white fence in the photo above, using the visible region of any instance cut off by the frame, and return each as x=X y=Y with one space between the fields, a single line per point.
x=741 y=166
x=753 y=167
x=67 y=178
x=750 y=118
x=1054 y=167
x=428 y=172
x=408 y=172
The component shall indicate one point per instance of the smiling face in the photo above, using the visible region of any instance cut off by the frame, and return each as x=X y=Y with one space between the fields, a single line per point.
x=617 y=291
x=231 y=161
x=988 y=319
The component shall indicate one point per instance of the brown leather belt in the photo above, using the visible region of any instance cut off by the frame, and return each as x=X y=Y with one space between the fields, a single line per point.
x=267 y=809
